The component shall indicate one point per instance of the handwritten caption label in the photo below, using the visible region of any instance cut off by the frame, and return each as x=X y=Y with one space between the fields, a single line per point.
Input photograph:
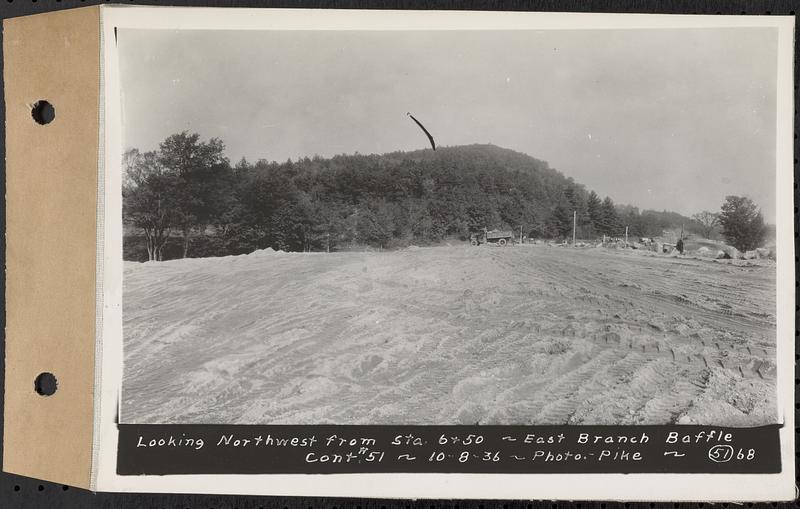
x=183 y=449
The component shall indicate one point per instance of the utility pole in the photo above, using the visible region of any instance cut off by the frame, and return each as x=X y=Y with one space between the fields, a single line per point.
x=520 y=235
x=626 y=235
x=574 y=225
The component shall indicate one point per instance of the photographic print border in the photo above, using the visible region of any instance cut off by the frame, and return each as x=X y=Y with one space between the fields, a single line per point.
x=435 y=485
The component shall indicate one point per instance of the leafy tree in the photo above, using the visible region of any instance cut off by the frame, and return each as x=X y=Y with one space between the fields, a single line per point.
x=708 y=222
x=376 y=224
x=578 y=202
x=608 y=220
x=742 y=223
x=148 y=201
x=560 y=223
x=481 y=214
x=200 y=168
x=629 y=216
x=593 y=209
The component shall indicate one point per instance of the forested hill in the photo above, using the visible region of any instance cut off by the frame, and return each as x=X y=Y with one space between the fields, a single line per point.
x=186 y=199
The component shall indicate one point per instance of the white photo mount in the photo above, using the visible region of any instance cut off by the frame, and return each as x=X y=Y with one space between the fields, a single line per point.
x=65 y=307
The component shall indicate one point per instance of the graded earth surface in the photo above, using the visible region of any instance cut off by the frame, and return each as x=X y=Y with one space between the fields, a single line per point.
x=532 y=334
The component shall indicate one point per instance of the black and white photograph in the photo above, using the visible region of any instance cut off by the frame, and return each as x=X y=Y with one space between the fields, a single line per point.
x=440 y=227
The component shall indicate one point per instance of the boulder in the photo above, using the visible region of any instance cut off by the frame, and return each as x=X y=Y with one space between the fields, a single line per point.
x=750 y=255
x=720 y=255
x=764 y=253
x=732 y=252
x=704 y=251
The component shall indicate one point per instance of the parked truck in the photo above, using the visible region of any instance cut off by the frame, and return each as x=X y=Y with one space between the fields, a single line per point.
x=494 y=237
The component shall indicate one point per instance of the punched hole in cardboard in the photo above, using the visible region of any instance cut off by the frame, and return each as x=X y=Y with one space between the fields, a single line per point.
x=43 y=112
x=45 y=384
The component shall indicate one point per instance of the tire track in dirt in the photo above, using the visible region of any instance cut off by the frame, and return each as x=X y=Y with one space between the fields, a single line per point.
x=661 y=301
x=448 y=335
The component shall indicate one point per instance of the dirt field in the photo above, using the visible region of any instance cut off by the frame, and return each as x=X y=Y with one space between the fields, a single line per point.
x=448 y=335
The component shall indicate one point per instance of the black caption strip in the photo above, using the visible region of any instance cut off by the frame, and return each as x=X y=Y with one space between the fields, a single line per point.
x=329 y=449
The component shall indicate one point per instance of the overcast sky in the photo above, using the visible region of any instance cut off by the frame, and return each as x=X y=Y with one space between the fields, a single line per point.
x=661 y=119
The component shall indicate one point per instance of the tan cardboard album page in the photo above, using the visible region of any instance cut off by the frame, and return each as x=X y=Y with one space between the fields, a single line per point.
x=51 y=209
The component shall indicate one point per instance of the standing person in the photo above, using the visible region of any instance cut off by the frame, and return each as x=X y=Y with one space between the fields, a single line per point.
x=679 y=245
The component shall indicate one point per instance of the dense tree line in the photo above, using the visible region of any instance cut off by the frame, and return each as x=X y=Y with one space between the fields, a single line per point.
x=187 y=199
